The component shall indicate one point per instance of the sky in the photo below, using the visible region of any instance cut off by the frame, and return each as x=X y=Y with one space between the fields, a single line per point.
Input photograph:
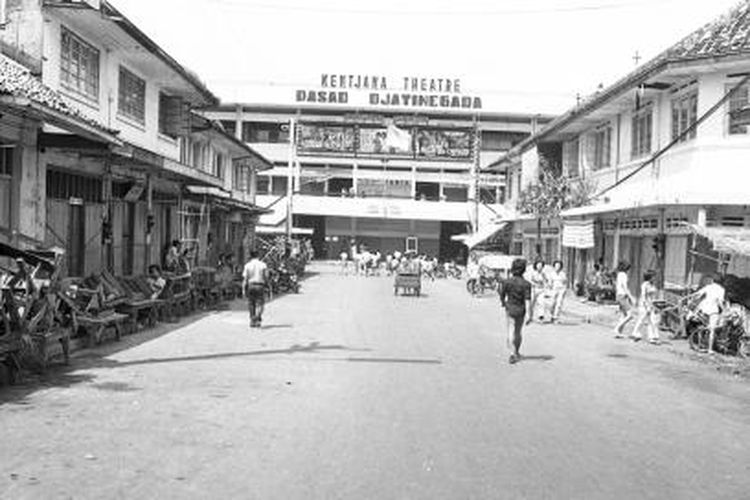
x=518 y=55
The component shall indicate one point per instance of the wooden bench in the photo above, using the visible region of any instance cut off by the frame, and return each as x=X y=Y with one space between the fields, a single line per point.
x=45 y=340
x=177 y=295
x=94 y=326
x=139 y=302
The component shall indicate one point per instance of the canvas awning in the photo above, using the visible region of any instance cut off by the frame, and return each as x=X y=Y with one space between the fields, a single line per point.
x=729 y=240
x=484 y=233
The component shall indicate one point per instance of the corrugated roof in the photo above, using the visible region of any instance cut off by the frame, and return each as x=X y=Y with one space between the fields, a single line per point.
x=17 y=81
x=728 y=35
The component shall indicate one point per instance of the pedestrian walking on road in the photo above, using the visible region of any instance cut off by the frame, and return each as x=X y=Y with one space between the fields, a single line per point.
x=558 y=283
x=646 y=309
x=515 y=297
x=538 y=284
x=625 y=299
x=254 y=279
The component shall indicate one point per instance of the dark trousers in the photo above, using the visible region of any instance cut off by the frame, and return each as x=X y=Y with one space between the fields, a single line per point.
x=256 y=300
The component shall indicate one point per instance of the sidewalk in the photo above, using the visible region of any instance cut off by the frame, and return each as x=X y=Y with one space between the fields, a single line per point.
x=606 y=316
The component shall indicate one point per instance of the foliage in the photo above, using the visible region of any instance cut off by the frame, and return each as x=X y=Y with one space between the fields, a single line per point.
x=553 y=194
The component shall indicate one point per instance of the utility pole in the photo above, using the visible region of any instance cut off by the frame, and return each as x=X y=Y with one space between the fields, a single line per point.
x=290 y=177
x=475 y=172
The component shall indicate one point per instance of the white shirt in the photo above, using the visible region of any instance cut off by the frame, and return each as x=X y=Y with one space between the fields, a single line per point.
x=713 y=298
x=622 y=284
x=254 y=270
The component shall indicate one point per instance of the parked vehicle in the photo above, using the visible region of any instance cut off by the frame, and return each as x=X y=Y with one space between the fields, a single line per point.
x=731 y=337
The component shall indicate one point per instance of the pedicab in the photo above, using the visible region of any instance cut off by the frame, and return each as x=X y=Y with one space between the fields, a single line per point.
x=408 y=279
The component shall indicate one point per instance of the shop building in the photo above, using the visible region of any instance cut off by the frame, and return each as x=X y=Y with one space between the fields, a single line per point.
x=665 y=150
x=168 y=174
x=389 y=167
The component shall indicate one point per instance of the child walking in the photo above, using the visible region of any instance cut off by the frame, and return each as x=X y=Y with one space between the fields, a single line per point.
x=646 y=310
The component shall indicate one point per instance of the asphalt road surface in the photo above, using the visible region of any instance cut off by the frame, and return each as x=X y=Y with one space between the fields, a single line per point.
x=349 y=392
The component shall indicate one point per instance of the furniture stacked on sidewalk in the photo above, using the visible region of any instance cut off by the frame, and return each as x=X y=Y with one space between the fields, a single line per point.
x=32 y=320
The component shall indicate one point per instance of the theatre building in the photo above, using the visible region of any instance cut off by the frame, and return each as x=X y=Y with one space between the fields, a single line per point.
x=390 y=169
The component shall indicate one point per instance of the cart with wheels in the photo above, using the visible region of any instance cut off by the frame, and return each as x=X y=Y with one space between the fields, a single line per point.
x=408 y=283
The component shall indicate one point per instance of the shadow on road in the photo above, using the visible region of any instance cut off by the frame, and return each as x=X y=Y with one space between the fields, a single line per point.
x=396 y=360
x=313 y=347
x=540 y=357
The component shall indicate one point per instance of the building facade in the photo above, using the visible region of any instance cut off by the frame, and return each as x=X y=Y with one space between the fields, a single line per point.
x=168 y=174
x=665 y=150
x=386 y=175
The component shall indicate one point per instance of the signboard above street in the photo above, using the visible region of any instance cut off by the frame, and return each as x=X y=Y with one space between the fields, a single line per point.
x=388 y=92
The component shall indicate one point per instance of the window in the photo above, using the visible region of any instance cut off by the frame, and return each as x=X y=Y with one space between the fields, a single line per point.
x=279 y=185
x=218 y=165
x=63 y=186
x=641 y=133
x=6 y=159
x=132 y=96
x=684 y=116
x=79 y=66
x=197 y=158
x=241 y=178
x=602 y=148
x=230 y=126
x=737 y=102
x=174 y=116
x=570 y=158
x=263 y=184
x=265 y=132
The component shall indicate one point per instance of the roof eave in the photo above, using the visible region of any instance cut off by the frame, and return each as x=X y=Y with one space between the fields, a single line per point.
x=67 y=122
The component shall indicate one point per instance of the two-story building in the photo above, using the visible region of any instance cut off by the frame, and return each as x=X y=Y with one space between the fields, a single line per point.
x=388 y=163
x=665 y=149
x=171 y=172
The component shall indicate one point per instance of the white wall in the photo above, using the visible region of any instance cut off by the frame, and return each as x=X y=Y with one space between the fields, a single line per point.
x=104 y=108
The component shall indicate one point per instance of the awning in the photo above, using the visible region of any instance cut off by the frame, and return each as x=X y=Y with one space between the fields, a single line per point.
x=223 y=198
x=730 y=240
x=578 y=234
x=274 y=230
x=483 y=234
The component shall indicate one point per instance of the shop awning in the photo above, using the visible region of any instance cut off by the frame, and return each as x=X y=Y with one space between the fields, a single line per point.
x=274 y=230
x=578 y=234
x=484 y=233
x=225 y=199
x=730 y=240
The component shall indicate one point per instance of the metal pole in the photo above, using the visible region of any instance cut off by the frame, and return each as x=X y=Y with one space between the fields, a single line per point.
x=477 y=159
x=290 y=177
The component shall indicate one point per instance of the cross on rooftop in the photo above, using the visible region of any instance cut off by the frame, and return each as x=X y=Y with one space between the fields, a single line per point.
x=637 y=58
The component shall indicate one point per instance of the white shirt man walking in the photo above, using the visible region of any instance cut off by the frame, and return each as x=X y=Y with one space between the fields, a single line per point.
x=254 y=279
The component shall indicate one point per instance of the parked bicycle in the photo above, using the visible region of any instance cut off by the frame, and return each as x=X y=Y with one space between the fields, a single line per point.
x=731 y=337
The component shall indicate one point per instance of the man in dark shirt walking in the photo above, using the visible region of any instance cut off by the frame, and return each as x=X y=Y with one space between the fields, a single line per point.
x=515 y=296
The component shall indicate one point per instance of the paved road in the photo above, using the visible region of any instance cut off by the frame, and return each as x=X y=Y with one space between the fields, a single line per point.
x=351 y=393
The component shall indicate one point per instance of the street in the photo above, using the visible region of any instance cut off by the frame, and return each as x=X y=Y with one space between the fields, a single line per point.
x=349 y=392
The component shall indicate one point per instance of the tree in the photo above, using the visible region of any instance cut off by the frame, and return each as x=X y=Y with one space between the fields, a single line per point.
x=551 y=195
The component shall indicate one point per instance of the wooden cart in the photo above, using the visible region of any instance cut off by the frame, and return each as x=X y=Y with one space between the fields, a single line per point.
x=409 y=283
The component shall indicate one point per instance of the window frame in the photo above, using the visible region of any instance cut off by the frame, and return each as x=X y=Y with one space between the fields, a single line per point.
x=73 y=74
x=123 y=104
x=641 y=141
x=684 y=114
x=601 y=154
x=732 y=106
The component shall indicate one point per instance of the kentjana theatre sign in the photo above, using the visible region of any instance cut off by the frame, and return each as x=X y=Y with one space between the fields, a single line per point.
x=382 y=91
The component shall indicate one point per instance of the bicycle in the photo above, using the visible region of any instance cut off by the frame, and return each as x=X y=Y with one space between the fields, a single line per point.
x=730 y=337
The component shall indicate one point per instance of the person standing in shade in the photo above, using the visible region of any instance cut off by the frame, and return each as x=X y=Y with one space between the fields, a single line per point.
x=646 y=310
x=712 y=303
x=538 y=284
x=558 y=283
x=254 y=279
x=625 y=299
x=515 y=297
